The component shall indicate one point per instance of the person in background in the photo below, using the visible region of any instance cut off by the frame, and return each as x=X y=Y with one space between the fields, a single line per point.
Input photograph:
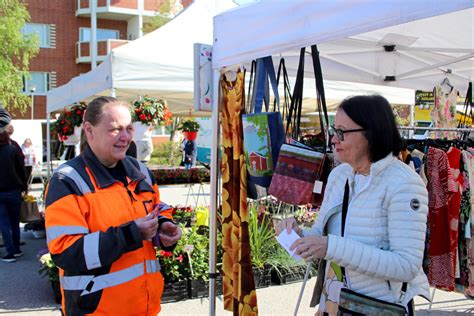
x=132 y=150
x=10 y=130
x=30 y=157
x=189 y=153
x=382 y=243
x=12 y=184
x=103 y=209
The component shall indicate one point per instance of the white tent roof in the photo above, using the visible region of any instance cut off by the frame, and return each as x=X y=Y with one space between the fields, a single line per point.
x=157 y=64
x=430 y=37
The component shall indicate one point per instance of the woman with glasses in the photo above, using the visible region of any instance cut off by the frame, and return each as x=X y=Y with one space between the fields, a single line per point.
x=370 y=231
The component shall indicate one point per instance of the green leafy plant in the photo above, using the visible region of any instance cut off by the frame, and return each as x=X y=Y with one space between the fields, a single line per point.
x=262 y=236
x=189 y=126
x=68 y=119
x=151 y=111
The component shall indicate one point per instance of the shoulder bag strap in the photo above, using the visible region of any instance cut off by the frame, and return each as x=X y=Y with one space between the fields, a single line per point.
x=250 y=95
x=294 y=114
x=321 y=97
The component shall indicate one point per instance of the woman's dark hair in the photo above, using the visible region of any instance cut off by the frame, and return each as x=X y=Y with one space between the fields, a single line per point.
x=95 y=111
x=374 y=113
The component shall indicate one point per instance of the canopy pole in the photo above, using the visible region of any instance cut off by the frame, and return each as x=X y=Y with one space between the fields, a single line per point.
x=112 y=92
x=48 y=144
x=214 y=196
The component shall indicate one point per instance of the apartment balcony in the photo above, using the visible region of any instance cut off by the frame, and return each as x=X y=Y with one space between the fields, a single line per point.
x=119 y=10
x=103 y=49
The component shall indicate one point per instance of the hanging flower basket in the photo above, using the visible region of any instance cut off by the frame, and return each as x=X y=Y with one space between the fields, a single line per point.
x=151 y=111
x=68 y=124
x=190 y=135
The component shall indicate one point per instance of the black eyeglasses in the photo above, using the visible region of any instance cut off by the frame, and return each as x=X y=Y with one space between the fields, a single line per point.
x=340 y=132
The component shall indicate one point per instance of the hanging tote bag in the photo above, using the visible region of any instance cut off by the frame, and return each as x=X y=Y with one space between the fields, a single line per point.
x=296 y=172
x=263 y=131
x=298 y=166
x=353 y=303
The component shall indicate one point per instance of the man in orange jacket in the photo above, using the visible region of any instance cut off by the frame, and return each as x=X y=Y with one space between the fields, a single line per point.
x=101 y=215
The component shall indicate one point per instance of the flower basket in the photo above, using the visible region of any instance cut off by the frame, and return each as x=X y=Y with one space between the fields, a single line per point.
x=175 y=292
x=190 y=135
x=151 y=111
x=141 y=131
x=67 y=121
x=74 y=138
x=189 y=126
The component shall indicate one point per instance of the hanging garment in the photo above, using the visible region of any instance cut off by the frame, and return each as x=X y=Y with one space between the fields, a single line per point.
x=239 y=286
x=464 y=215
x=468 y=158
x=441 y=270
x=441 y=114
x=454 y=159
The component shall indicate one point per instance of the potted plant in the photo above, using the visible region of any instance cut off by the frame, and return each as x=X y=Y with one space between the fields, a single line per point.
x=68 y=124
x=151 y=111
x=48 y=268
x=175 y=274
x=189 y=129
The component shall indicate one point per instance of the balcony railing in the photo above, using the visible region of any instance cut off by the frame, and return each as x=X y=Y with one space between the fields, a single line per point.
x=128 y=7
x=103 y=49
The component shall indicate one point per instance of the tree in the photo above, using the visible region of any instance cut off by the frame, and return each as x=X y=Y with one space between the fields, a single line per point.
x=16 y=51
x=162 y=17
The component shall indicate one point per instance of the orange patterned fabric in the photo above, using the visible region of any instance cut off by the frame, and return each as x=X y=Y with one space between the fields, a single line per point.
x=239 y=286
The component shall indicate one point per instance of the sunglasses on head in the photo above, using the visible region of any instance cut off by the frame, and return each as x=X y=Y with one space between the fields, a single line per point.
x=340 y=132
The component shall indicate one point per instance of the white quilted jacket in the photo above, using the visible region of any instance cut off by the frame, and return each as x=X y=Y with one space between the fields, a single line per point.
x=384 y=233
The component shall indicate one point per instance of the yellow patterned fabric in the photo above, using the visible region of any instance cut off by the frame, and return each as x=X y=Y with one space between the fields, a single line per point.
x=239 y=285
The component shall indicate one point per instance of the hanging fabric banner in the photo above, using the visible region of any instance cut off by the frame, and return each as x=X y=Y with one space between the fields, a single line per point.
x=239 y=286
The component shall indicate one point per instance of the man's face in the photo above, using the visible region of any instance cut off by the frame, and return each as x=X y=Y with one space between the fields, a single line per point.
x=110 y=138
x=9 y=129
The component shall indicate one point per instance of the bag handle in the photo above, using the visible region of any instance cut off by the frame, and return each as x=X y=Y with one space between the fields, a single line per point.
x=286 y=87
x=250 y=103
x=294 y=114
x=321 y=97
x=345 y=205
x=265 y=72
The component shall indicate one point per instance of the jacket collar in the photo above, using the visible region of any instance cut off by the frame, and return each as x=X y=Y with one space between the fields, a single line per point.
x=101 y=175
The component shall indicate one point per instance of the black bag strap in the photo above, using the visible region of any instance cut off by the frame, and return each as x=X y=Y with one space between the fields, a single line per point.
x=321 y=97
x=345 y=205
x=294 y=113
x=249 y=105
x=286 y=87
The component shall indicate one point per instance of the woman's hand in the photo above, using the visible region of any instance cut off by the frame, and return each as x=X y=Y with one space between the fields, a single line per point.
x=311 y=247
x=288 y=224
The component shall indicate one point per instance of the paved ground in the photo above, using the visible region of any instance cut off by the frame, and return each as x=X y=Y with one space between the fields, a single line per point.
x=24 y=292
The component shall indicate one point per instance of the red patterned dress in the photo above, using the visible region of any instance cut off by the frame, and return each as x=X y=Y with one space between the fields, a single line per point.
x=440 y=186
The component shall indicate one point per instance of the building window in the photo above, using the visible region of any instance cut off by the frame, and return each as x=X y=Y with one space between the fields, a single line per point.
x=162 y=130
x=39 y=80
x=102 y=34
x=43 y=31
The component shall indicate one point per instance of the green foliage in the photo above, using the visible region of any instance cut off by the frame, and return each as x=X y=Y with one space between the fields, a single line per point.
x=262 y=237
x=166 y=154
x=16 y=51
x=189 y=126
x=161 y=18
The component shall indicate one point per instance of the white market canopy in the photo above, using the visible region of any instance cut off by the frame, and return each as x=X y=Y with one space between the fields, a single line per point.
x=426 y=40
x=158 y=64
x=161 y=64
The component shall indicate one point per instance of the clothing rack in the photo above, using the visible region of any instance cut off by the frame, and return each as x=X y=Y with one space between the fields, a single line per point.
x=443 y=129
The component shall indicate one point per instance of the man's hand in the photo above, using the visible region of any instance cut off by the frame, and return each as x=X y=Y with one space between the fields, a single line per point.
x=147 y=226
x=169 y=234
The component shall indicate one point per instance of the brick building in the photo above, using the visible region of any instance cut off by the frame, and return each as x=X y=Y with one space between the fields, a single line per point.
x=64 y=29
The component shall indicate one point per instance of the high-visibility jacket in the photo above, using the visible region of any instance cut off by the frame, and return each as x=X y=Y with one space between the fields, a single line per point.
x=105 y=267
